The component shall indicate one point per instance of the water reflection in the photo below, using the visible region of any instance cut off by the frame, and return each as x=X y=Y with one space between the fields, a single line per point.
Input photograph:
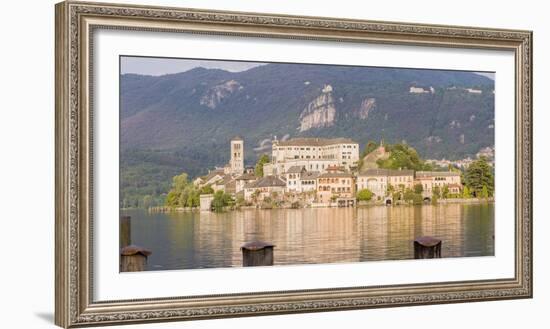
x=307 y=236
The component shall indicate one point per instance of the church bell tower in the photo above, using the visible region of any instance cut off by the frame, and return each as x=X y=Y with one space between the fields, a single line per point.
x=237 y=155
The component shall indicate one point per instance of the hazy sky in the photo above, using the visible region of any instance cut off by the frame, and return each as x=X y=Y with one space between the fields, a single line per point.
x=161 y=66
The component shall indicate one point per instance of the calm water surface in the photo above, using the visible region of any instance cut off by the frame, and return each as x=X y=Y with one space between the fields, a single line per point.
x=308 y=236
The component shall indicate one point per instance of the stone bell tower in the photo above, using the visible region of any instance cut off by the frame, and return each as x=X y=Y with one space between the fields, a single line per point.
x=237 y=156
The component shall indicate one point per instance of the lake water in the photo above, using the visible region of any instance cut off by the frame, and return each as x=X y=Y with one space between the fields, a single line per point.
x=311 y=236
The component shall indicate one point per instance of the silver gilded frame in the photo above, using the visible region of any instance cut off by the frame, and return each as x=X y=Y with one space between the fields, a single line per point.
x=75 y=24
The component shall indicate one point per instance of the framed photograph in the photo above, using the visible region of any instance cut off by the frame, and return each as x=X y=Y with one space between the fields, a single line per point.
x=219 y=164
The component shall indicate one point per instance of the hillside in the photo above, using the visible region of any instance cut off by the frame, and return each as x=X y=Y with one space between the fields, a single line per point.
x=183 y=122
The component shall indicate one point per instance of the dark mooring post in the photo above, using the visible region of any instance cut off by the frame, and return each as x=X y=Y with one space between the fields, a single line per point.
x=427 y=247
x=125 y=228
x=257 y=253
x=133 y=258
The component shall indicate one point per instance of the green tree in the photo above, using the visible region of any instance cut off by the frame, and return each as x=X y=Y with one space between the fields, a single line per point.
x=411 y=196
x=408 y=195
x=364 y=195
x=221 y=200
x=478 y=175
x=259 y=168
x=436 y=192
x=179 y=182
x=193 y=199
x=466 y=193
x=369 y=147
x=183 y=193
x=240 y=201
x=390 y=189
x=148 y=201
x=445 y=192
x=417 y=199
x=418 y=189
x=402 y=156
x=172 y=199
x=485 y=192
x=207 y=189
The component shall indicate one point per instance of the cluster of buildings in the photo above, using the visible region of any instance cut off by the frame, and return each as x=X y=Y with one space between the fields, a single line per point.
x=415 y=89
x=487 y=152
x=318 y=172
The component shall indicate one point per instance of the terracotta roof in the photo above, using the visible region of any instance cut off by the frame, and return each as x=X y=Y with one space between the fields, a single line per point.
x=225 y=180
x=267 y=181
x=316 y=141
x=427 y=174
x=386 y=172
x=335 y=174
x=295 y=170
x=246 y=177
x=310 y=175
x=211 y=174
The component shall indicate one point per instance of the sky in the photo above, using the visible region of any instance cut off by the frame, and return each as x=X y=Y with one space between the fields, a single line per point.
x=161 y=66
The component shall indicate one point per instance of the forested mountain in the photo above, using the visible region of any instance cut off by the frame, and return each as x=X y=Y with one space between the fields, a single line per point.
x=183 y=122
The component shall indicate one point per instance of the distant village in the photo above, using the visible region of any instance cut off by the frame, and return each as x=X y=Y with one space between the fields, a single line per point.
x=318 y=172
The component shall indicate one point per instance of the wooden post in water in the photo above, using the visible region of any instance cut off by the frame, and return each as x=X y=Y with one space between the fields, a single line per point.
x=125 y=231
x=133 y=258
x=427 y=247
x=257 y=253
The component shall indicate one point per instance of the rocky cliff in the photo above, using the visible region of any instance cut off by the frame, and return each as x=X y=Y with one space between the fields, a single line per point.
x=214 y=96
x=367 y=105
x=320 y=112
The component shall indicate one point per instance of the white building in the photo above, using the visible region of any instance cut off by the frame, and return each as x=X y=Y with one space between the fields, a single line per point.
x=474 y=91
x=292 y=176
x=299 y=180
x=378 y=180
x=308 y=181
x=430 y=179
x=421 y=90
x=314 y=154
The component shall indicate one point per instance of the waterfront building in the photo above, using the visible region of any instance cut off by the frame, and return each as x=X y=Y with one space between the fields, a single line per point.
x=333 y=186
x=205 y=201
x=308 y=181
x=268 y=186
x=431 y=179
x=299 y=180
x=378 y=180
x=314 y=154
x=242 y=180
x=292 y=176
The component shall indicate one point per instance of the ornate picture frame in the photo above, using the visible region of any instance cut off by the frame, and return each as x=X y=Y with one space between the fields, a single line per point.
x=75 y=25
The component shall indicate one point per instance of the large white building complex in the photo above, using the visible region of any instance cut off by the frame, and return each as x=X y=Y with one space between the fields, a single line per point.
x=314 y=154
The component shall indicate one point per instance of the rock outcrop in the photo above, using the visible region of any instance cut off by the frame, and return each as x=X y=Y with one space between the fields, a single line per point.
x=216 y=94
x=367 y=105
x=320 y=112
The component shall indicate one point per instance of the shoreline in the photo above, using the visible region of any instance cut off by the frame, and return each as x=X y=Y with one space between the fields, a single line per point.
x=162 y=209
